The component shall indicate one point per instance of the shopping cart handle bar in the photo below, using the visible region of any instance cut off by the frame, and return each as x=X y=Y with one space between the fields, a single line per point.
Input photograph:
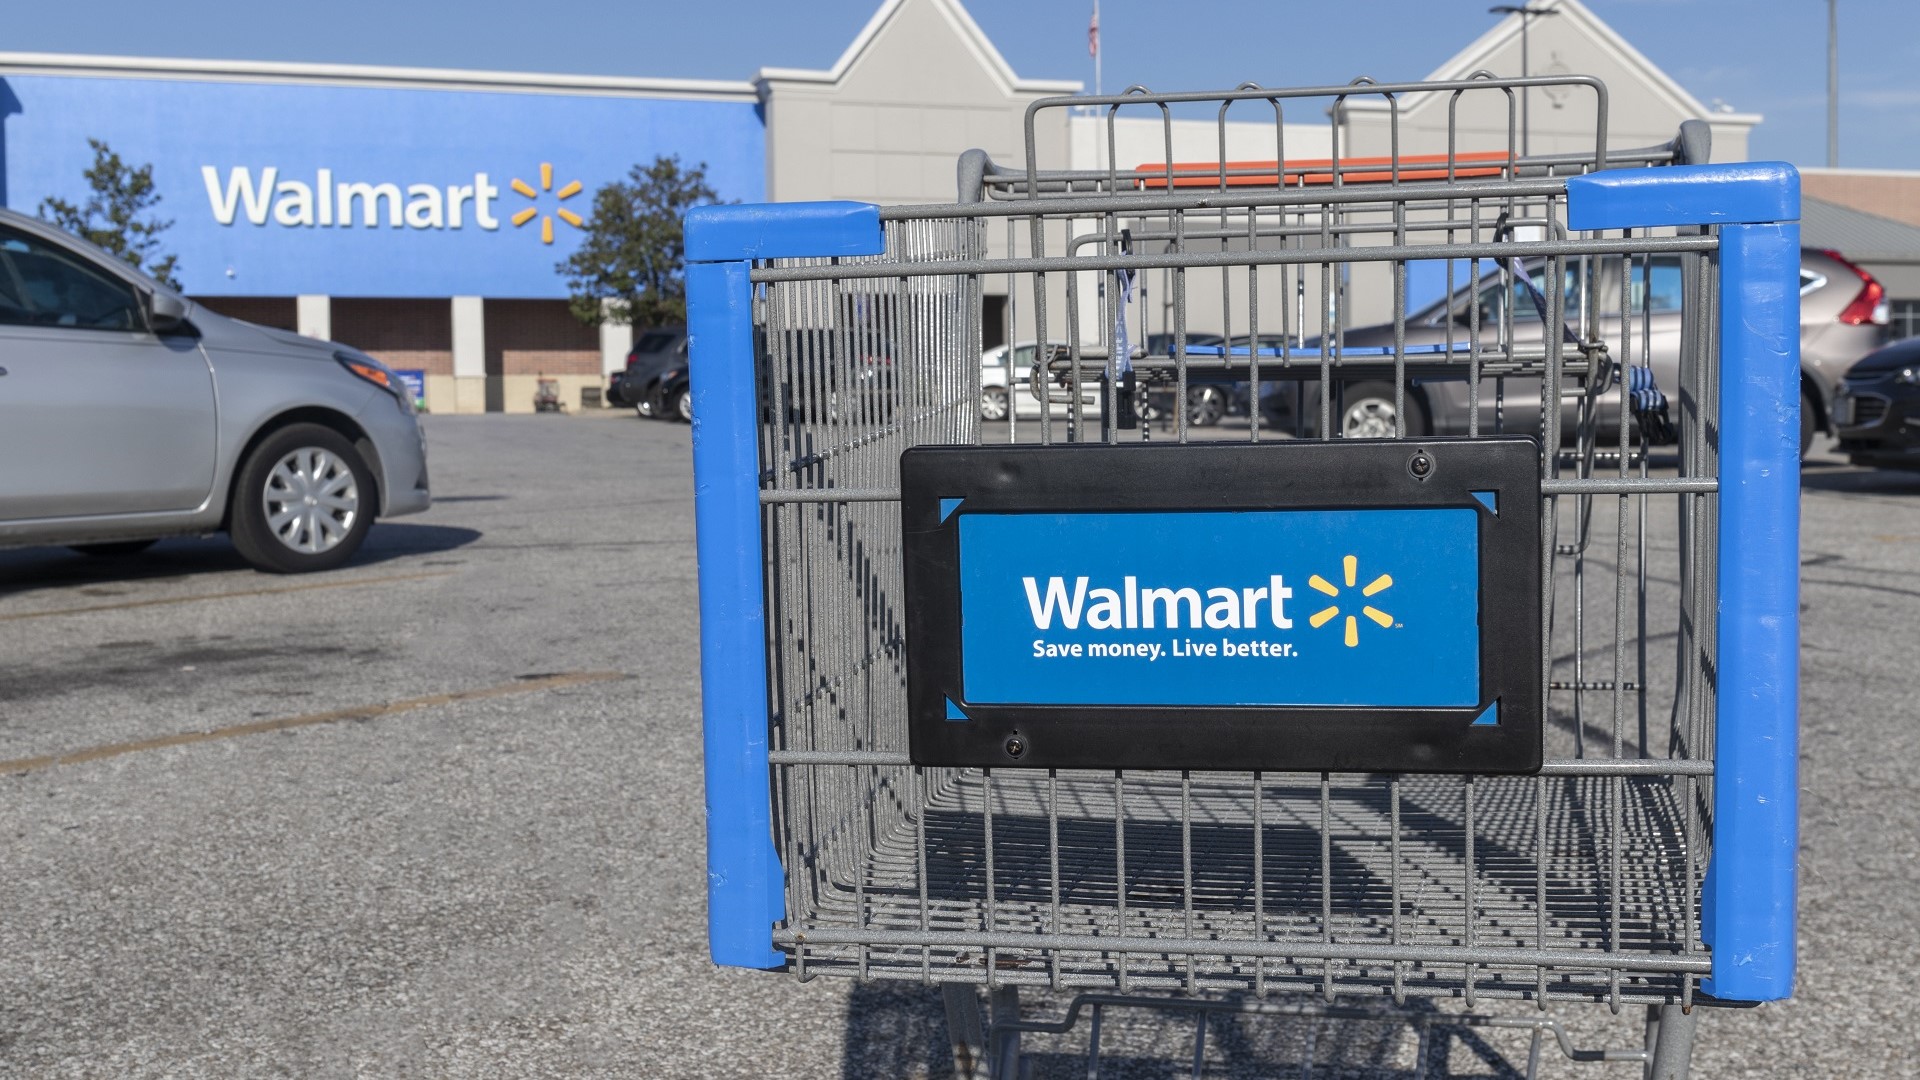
x=785 y=231
x=1750 y=193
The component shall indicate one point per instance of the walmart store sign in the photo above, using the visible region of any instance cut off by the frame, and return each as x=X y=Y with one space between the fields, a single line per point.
x=288 y=189
x=267 y=196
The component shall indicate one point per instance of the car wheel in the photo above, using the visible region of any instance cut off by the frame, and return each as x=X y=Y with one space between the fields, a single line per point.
x=1205 y=405
x=1806 y=422
x=114 y=550
x=641 y=410
x=303 y=502
x=994 y=403
x=683 y=404
x=1367 y=412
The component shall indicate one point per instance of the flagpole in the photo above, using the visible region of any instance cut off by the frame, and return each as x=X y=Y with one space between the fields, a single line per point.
x=1096 y=48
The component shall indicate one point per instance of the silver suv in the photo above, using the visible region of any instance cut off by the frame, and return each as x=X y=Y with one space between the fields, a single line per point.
x=129 y=413
x=1843 y=316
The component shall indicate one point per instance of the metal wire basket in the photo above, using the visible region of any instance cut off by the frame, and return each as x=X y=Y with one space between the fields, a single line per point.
x=1635 y=311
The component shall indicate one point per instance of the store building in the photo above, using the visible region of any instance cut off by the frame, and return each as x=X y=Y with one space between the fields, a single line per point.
x=420 y=214
x=1873 y=217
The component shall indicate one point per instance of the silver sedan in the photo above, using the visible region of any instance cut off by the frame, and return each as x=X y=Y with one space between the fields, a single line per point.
x=129 y=413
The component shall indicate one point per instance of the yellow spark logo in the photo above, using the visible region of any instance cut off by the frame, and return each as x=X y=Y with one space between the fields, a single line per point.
x=1350 y=566
x=531 y=212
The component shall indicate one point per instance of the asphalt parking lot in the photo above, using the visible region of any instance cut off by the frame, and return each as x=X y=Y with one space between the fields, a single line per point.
x=439 y=813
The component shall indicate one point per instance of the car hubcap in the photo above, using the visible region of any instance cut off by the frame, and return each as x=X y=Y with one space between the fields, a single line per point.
x=1203 y=406
x=686 y=406
x=993 y=405
x=1370 y=418
x=311 y=500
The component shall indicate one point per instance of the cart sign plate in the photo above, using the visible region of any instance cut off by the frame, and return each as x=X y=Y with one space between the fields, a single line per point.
x=1348 y=605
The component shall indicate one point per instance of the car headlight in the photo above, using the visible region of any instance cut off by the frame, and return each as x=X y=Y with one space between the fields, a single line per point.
x=380 y=375
x=1909 y=376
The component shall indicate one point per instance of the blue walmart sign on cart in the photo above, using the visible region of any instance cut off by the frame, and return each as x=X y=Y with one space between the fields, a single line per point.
x=1288 y=606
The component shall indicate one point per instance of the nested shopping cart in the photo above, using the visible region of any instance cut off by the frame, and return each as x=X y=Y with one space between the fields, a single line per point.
x=894 y=794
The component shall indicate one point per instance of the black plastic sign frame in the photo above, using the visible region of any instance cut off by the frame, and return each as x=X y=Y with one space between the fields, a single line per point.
x=1499 y=478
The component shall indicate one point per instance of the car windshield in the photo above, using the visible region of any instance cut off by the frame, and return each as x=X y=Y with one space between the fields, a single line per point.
x=1653 y=285
x=1523 y=301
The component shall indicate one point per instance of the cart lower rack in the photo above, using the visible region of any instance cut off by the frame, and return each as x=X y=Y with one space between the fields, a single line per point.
x=1639 y=324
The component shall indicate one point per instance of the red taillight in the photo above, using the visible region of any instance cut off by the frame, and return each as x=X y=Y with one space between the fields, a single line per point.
x=1868 y=307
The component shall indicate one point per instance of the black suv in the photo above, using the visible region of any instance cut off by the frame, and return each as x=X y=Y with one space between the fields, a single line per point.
x=654 y=351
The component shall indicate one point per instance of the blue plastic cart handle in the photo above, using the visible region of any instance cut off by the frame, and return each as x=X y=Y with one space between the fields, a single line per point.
x=1747 y=901
x=746 y=890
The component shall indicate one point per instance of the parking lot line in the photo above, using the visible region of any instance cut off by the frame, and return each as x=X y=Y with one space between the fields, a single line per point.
x=523 y=685
x=303 y=587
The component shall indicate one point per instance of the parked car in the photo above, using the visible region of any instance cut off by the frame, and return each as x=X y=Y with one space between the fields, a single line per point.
x=653 y=352
x=1877 y=409
x=1006 y=382
x=1843 y=315
x=669 y=395
x=821 y=376
x=129 y=413
x=1213 y=394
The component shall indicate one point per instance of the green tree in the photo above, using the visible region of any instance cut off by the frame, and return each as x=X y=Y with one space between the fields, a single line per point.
x=631 y=266
x=115 y=216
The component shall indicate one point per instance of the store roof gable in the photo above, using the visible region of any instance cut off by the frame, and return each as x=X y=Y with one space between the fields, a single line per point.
x=969 y=33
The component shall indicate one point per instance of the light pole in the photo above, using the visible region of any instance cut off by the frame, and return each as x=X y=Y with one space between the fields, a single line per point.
x=1527 y=15
x=1833 y=84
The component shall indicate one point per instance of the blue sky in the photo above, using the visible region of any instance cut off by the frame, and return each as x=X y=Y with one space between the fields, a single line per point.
x=1759 y=56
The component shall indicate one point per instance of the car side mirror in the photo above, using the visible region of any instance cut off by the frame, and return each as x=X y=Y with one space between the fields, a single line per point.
x=166 y=312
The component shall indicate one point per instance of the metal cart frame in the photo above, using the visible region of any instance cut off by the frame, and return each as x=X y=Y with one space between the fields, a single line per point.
x=1637 y=868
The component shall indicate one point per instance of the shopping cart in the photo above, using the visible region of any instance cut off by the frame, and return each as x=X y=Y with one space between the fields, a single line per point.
x=1642 y=853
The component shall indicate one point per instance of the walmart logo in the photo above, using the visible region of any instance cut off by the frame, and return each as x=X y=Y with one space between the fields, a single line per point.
x=321 y=200
x=1350 y=568
x=531 y=212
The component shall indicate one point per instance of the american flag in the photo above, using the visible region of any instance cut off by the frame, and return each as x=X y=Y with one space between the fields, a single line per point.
x=1093 y=31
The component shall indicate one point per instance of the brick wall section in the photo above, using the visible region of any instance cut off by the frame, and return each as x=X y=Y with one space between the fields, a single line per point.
x=539 y=337
x=1893 y=196
x=274 y=311
x=402 y=334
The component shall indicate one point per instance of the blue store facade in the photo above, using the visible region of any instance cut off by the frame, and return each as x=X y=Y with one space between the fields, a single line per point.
x=419 y=215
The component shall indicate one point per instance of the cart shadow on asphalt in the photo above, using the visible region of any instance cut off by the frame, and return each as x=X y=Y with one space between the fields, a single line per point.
x=31 y=569
x=1854 y=480
x=896 y=1029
